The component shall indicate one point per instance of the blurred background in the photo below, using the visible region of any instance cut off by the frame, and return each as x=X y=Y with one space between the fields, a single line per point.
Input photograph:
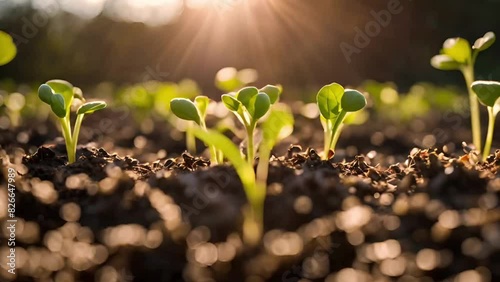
x=296 y=43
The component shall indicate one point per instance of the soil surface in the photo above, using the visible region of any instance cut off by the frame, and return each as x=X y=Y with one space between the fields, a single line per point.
x=433 y=216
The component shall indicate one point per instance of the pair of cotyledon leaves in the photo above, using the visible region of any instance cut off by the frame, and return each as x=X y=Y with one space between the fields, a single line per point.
x=59 y=94
x=188 y=110
x=256 y=101
x=332 y=99
x=456 y=52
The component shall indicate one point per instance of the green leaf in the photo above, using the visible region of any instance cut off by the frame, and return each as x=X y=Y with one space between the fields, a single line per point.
x=488 y=92
x=202 y=105
x=91 y=107
x=328 y=100
x=353 y=100
x=57 y=105
x=484 y=42
x=65 y=89
x=444 y=62
x=231 y=103
x=8 y=49
x=246 y=94
x=272 y=91
x=259 y=106
x=232 y=153
x=45 y=93
x=458 y=49
x=278 y=125
x=185 y=109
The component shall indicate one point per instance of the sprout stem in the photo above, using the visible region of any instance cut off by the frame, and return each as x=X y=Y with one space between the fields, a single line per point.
x=336 y=136
x=250 y=145
x=327 y=137
x=468 y=73
x=214 y=154
x=336 y=127
x=66 y=130
x=489 y=136
x=76 y=133
x=190 y=139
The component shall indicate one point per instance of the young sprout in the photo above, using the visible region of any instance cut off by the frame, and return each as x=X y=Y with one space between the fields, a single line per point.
x=253 y=223
x=334 y=103
x=277 y=126
x=488 y=93
x=250 y=105
x=456 y=54
x=195 y=111
x=59 y=95
x=8 y=49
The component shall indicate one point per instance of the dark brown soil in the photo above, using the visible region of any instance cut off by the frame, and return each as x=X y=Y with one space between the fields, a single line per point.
x=429 y=218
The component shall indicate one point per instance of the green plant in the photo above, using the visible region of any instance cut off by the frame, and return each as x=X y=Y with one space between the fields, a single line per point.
x=488 y=93
x=334 y=104
x=277 y=126
x=252 y=227
x=250 y=105
x=456 y=54
x=195 y=111
x=59 y=95
x=8 y=49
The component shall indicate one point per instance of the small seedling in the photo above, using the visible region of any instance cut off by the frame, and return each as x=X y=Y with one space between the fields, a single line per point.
x=8 y=49
x=59 y=95
x=334 y=104
x=456 y=54
x=488 y=93
x=277 y=126
x=250 y=105
x=253 y=224
x=195 y=111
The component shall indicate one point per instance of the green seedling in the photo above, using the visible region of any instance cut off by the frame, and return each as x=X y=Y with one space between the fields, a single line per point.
x=276 y=127
x=334 y=104
x=488 y=93
x=457 y=54
x=250 y=105
x=59 y=95
x=8 y=49
x=195 y=111
x=253 y=225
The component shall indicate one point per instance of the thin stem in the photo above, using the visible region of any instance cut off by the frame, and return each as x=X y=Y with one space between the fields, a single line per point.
x=250 y=145
x=190 y=139
x=66 y=131
x=336 y=136
x=468 y=73
x=335 y=128
x=328 y=132
x=489 y=136
x=263 y=166
x=76 y=133
x=213 y=151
